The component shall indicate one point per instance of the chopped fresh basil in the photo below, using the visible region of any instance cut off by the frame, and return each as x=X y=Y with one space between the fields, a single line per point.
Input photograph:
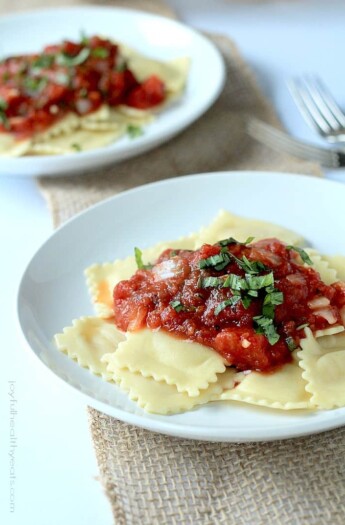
x=3 y=104
x=76 y=146
x=253 y=293
x=134 y=131
x=235 y=282
x=272 y=300
x=231 y=240
x=63 y=59
x=256 y=282
x=228 y=302
x=252 y=266
x=303 y=254
x=122 y=66
x=290 y=343
x=264 y=325
x=139 y=260
x=211 y=282
x=3 y=117
x=100 y=52
x=218 y=262
x=84 y=40
x=177 y=306
x=35 y=83
x=43 y=62
x=246 y=301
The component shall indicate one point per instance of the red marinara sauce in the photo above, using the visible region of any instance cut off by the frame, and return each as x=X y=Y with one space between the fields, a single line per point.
x=38 y=90
x=187 y=294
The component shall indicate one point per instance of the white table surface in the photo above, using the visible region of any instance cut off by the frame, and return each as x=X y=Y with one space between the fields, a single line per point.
x=55 y=468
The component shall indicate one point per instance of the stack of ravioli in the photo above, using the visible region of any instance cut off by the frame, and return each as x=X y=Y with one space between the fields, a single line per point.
x=166 y=375
x=105 y=126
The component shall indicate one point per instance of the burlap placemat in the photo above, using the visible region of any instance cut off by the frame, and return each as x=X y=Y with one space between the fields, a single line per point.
x=154 y=479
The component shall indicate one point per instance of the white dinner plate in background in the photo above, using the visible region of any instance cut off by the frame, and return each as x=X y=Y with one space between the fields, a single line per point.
x=53 y=290
x=158 y=37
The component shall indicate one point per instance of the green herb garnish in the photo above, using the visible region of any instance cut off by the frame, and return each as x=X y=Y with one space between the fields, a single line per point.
x=63 y=59
x=100 y=52
x=120 y=68
x=228 y=302
x=231 y=240
x=3 y=104
x=218 y=262
x=303 y=254
x=235 y=282
x=84 y=40
x=134 y=131
x=139 y=260
x=35 y=83
x=257 y=282
x=264 y=325
x=246 y=301
x=43 y=62
x=251 y=266
x=3 y=117
x=290 y=343
x=178 y=306
x=76 y=146
x=211 y=282
x=272 y=300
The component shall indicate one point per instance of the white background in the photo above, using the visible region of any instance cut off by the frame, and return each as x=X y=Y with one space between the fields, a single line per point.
x=55 y=466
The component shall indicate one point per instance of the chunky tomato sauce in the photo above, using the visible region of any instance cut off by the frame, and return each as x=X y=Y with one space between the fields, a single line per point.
x=38 y=90
x=198 y=300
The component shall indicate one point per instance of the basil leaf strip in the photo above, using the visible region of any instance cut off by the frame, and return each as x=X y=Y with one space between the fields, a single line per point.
x=231 y=240
x=177 y=306
x=139 y=260
x=264 y=325
x=303 y=254
x=100 y=52
x=228 y=302
x=211 y=282
x=134 y=131
x=218 y=262
x=291 y=343
x=62 y=59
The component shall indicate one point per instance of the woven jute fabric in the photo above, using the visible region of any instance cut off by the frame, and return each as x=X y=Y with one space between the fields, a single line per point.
x=154 y=479
x=158 y=480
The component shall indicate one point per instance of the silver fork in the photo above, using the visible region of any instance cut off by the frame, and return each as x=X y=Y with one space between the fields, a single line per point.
x=280 y=141
x=318 y=107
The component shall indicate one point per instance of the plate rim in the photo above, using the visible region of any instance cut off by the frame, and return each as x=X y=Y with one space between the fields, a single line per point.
x=211 y=434
x=142 y=145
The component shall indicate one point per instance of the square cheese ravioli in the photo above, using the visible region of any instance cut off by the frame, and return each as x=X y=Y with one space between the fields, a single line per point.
x=167 y=374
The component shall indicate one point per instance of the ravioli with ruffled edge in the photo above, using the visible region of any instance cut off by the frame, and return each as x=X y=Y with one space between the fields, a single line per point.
x=167 y=375
x=75 y=133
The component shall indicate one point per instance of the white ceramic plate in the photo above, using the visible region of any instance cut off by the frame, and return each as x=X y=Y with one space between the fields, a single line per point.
x=53 y=291
x=155 y=36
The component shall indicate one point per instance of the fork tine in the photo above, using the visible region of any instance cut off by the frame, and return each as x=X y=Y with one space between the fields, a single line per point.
x=307 y=108
x=317 y=96
x=330 y=101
